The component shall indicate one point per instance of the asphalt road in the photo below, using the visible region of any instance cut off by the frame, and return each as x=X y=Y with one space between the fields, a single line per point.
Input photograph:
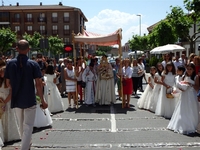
x=108 y=128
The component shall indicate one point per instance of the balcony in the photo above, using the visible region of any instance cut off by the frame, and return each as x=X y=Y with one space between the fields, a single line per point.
x=19 y=32
x=4 y=19
x=54 y=32
x=28 y=20
x=16 y=20
x=29 y=32
x=66 y=32
x=54 y=19
x=66 y=19
x=42 y=19
x=42 y=32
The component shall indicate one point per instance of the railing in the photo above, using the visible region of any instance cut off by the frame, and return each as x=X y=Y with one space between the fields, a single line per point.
x=66 y=32
x=54 y=32
x=66 y=19
x=28 y=20
x=42 y=19
x=54 y=19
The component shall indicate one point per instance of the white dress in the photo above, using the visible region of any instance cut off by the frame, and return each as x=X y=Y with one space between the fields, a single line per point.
x=55 y=103
x=42 y=116
x=90 y=86
x=186 y=114
x=9 y=120
x=155 y=93
x=144 y=101
x=165 y=106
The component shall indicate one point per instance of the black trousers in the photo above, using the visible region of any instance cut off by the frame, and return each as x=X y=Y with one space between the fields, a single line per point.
x=135 y=81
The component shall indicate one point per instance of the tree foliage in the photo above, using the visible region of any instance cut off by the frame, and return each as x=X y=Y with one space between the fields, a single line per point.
x=7 y=38
x=139 y=43
x=55 y=45
x=34 y=40
x=102 y=50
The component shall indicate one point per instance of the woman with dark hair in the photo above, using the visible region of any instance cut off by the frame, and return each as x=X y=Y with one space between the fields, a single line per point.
x=55 y=103
x=165 y=105
x=186 y=114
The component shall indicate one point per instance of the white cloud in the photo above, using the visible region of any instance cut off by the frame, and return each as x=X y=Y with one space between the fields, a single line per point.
x=108 y=21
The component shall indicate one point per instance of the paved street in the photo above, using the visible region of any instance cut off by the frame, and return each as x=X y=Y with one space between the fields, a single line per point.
x=109 y=128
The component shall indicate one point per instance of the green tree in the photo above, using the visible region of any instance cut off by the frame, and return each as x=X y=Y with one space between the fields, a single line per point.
x=7 y=38
x=55 y=45
x=139 y=43
x=34 y=40
x=163 y=34
x=182 y=22
x=102 y=50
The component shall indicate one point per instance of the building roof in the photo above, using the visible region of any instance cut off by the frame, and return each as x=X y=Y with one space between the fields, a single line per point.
x=58 y=7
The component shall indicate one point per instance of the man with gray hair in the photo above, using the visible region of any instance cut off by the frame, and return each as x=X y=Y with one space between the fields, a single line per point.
x=21 y=72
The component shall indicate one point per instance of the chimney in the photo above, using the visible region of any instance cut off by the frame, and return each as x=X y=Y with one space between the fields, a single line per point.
x=40 y=3
x=17 y=3
x=60 y=3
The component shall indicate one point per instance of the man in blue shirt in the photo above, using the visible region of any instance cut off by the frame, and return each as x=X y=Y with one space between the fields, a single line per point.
x=21 y=72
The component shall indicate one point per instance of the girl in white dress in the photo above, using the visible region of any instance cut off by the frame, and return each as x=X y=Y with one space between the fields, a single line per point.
x=9 y=121
x=157 y=87
x=89 y=76
x=186 y=114
x=42 y=116
x=55 y=103
x=165 y=106
x=145 y=100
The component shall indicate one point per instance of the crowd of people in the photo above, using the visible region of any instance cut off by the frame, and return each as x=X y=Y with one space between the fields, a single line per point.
x=171 y=91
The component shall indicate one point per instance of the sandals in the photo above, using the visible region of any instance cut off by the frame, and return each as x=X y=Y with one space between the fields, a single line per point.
x=69 y=106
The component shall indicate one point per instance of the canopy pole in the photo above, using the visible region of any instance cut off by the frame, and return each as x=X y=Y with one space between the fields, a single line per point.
x=120 y=70
x=74 y=55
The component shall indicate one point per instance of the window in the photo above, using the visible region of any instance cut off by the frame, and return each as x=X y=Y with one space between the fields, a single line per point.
x=29 y=28
x=17 y=28
x=66 y=14
x=66 y=27
x=42 y=27
x=42 y=15
x=29 y=15
x=17 y=15
x=66 y=40
x=4 y=17
x=54 y=15
x=66 y=17
x=55 y=27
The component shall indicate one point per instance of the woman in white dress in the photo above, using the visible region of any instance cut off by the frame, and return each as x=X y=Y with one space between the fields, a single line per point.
x=55 y=103
x=105 y=90
x=89 y=76
x=165 y=106
x=42 y=116
x=9 y=121
x=71 y=82
x=145 y=100
x=186 y=114
x=157 y=87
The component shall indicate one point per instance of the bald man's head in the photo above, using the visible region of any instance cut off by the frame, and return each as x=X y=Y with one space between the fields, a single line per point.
x=23 y=45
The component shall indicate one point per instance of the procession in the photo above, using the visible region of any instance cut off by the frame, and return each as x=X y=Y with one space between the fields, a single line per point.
x=124 y=76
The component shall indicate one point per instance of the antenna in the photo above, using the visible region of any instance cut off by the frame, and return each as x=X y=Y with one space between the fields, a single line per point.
x=2 y=3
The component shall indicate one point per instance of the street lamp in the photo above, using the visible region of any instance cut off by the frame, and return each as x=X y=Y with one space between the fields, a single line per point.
x=139 y=22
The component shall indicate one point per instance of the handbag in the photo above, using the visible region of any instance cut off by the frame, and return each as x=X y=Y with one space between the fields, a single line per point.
x=83 y=84
x=169 y=93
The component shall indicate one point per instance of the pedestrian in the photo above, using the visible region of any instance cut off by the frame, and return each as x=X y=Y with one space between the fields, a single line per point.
x=135 y=77
x=8 y=119
x=63 y=84
x=54 y=98
x=20 y=75
x=71 y=82
x=141 y=74
x=145 y=100
x=166 y=105
x=127 y=83
x=157 y=87
x=186 y=114
x=89 y=77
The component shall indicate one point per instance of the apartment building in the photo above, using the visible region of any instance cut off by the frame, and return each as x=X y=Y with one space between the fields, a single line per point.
x=46 y=19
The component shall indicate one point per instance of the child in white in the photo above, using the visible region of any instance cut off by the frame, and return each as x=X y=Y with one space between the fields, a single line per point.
x=165 y=106
x=185 y=116
x=157 y=87
x=144 y=101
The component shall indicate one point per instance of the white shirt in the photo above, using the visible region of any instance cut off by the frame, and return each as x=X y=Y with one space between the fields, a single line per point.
x=127 y=72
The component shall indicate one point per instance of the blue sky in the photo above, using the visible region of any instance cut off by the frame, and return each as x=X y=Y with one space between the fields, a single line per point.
x=106 y=16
